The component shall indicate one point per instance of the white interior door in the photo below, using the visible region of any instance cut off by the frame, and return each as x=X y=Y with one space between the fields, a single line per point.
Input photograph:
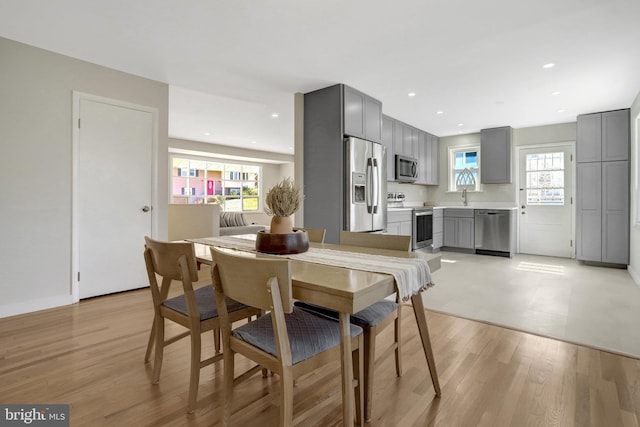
x=545 y=201
x=113 y=151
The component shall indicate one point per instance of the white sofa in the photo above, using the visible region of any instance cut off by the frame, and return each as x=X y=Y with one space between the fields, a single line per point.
x=233 y=223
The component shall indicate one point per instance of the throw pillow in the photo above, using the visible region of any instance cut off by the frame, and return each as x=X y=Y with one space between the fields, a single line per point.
x=232 y=219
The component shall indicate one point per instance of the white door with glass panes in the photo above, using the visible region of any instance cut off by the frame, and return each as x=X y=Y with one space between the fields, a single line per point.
x=545 y=201
x=235 y=187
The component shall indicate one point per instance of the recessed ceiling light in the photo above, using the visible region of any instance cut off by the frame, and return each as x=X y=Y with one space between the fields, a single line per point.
x=253 y=142
x=549 y=65
x=439 y=112
x=562 y=110
x=274 y=115
x=555 y=93
x=290 y=148
x=460 y=124
x=411 y=94
x=207 y=134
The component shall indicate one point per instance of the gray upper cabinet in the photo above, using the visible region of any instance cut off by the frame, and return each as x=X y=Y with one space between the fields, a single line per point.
x=428 y=159
x=603 y=136
x=387 y=140
x=405 y=139
x=495 y=155
x=589 y=138
x=432 y=162
x=362 y=115
x=615 y=135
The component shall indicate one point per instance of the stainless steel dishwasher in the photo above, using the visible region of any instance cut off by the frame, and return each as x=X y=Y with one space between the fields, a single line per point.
x=493 y=232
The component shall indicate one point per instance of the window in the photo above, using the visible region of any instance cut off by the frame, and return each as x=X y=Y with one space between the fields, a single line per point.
x=464 y=168
x=235 y=187
x=545 y=179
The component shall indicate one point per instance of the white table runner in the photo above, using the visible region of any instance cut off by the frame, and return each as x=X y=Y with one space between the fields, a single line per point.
x=412 y=275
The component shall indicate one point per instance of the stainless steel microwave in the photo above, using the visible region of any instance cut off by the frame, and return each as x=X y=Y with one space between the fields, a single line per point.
x=406 y=168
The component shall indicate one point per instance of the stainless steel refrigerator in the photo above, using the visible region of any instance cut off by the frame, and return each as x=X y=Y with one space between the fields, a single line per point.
x=366 y=185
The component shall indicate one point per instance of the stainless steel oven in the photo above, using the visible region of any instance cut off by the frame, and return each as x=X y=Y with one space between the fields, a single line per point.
x=422 y=223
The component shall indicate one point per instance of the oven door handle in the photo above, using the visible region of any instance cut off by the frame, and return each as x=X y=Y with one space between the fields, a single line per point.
x=422 y=213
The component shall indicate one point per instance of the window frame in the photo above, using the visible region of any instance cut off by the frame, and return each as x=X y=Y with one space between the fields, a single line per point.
x=451 y=170
x=205 y=198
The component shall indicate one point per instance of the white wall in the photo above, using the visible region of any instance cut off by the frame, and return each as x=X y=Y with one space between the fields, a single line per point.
x=634 y=238
x=35 y=167
x=495 y=193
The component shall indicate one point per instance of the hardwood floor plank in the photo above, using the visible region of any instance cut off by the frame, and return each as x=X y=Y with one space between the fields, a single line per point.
x=90 y=355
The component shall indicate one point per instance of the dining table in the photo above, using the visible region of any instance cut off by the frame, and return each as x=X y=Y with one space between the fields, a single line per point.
x=347 y=291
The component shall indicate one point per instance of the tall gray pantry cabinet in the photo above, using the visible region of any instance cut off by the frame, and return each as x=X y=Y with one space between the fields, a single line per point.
x=330 y=114
x=602 y=223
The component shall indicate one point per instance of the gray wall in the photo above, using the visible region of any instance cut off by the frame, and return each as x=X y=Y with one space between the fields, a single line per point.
x=35 y=167
x=634 y=238
x=496 y=193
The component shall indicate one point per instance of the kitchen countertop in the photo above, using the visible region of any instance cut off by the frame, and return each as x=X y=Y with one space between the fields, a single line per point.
x=497 y=208
x=494 y=208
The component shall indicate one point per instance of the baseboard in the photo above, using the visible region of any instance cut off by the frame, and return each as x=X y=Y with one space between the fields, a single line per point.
x=634 y=275
x=34 y=305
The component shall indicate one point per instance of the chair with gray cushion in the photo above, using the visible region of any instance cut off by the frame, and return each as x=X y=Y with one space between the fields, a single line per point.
x=194 y=309
x=376 y=317
x=287 y=341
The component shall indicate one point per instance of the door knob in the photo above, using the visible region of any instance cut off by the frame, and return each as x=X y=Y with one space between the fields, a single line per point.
x=523 y=206
x=146 y=208
x=523 y=212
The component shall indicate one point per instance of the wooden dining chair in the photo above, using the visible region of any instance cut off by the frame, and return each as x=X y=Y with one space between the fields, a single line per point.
x=287 y=341
x=316 y=234
x=376 y=317
x=194 y=309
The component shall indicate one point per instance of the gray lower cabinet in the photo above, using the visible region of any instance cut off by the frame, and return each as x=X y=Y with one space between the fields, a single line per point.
x=602 y=224
x=459 y=229
x=399 y=223
x=495 y=155
x=438 y=229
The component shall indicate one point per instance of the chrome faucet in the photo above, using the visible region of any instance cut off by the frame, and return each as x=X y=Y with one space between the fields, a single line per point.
x=464 y=196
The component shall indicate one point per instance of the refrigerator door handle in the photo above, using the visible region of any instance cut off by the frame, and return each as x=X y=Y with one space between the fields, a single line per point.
x=369 y=192
x=376 y=185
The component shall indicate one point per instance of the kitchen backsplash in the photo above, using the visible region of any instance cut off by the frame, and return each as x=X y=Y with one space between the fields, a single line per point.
x=413 y=193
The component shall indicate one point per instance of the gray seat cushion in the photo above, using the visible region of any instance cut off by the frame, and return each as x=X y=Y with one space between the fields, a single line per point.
x=309 y=334
x=367 y=318
x=206 y=302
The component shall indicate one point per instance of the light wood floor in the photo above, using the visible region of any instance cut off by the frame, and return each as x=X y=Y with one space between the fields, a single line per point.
x=90 y=355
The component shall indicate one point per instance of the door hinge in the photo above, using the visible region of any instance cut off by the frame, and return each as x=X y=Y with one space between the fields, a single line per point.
x=571 y=244
x=571 y=199
x=571 y=157
x=78 y=276
x=78 y=123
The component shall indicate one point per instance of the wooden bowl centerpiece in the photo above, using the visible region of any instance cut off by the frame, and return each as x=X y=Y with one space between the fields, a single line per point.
x=280 y=244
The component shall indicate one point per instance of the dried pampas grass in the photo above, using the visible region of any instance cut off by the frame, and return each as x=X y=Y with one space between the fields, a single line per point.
x=283 y=199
